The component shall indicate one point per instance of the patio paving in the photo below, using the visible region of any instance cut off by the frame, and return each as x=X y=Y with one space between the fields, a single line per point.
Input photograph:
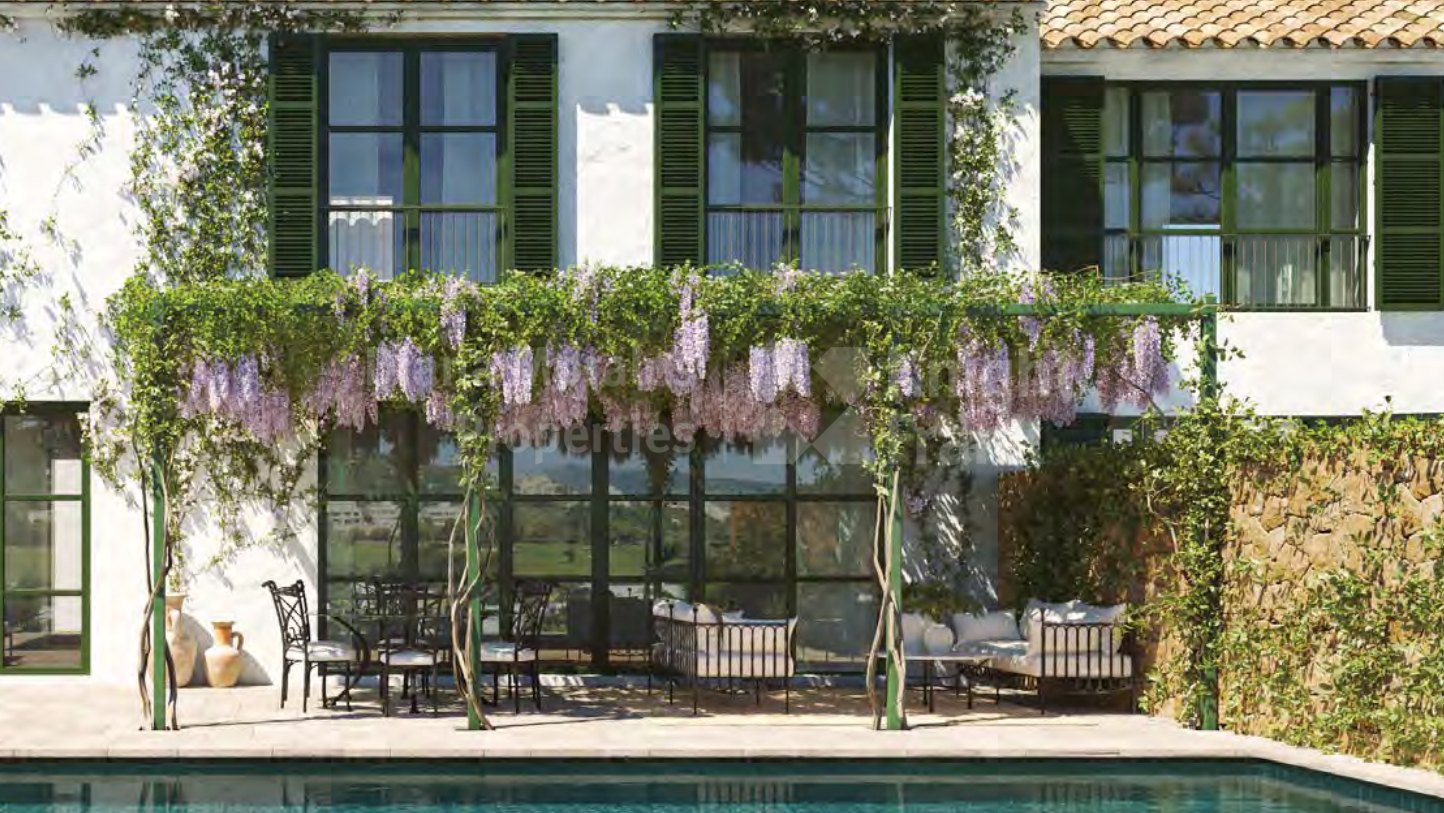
x=49 y=722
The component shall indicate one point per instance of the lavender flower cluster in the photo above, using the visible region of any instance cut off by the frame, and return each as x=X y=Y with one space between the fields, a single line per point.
x=1141 y=373
x=235 y=392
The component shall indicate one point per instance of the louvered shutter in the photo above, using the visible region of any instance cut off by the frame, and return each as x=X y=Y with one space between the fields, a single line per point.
x=920 y=202
x=1407 y=134
x=677 y=77
x=1072 y=181
x=532 y=136
x=291 y=151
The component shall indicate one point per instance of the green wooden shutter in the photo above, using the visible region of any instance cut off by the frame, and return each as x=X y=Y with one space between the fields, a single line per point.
x=678 y=90
x=532 y=115
x=1410 y=275
x=1072 y=138
x=292 y=153
x=920 y=199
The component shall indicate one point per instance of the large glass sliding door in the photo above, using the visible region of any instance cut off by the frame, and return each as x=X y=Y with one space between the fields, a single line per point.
x=618 y=520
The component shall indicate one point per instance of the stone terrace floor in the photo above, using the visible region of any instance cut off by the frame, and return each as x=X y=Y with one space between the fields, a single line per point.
x=87 y=722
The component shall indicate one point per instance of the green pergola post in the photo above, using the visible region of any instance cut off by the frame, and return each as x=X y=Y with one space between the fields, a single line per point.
x=896 y=670
x=1208 y=380
x=473 y=610
x=157 y=606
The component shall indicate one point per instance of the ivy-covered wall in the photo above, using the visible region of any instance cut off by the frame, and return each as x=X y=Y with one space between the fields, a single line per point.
x=1332 y=589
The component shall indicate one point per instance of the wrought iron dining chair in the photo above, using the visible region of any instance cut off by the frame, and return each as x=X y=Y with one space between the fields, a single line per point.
x=522 y=649
x=294 y=617
x=412 y=639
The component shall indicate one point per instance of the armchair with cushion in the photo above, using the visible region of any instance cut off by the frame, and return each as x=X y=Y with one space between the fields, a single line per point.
x=696 y=645
x=294 y=617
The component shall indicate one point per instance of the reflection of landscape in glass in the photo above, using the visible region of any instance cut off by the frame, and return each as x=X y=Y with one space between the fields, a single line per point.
x=782 y=528
x=43 y=539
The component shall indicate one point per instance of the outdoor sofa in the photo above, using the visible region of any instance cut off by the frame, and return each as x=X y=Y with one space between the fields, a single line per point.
x=699 y=646
x=1074 y=647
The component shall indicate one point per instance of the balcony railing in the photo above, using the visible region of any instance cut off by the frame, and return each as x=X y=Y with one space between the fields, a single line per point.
x=464 y=243
x=823 y=239
x=1252 y=271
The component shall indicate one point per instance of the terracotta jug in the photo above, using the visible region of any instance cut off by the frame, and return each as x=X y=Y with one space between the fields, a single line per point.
x=223 y=659
x=183 y=646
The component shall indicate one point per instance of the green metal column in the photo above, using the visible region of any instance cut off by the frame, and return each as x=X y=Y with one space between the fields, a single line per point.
x=473 y=610
x=157 y=607
x=1208 y=379
x=896 y=671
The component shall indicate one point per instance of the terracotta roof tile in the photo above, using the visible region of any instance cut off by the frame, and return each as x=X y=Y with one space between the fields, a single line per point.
x=1227 y=23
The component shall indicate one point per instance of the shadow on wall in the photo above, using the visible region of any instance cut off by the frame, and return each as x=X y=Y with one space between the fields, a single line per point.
x=1412 y=328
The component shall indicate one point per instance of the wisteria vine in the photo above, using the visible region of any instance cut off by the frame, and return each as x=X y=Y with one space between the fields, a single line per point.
x=733 y=356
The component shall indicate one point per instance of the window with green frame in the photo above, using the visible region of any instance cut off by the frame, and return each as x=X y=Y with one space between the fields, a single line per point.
x=1251 y=192
x=616 y=521
x=796 y=156
x=413 y=153
x=44 y=541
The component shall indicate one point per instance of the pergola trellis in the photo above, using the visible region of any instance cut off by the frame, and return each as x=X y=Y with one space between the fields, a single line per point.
x=1208 y=353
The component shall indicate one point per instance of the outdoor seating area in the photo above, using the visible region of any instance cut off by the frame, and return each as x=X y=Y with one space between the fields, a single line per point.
x=400 y=635
x=403 y=629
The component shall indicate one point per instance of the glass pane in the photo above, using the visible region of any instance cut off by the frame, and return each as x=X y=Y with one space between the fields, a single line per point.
x=463 y=244
x=365 y=169
x=363 y=539
x=839 y=168
x=1117 y=259
x=745 y=468
x=458 y=168
x=1115 y=122
x=371 y=461
x=835 y=462
x=370 y=240
x=568 y=619
x=440 y=461
x=746 y=89
x=633 y=527
x=1184 y=123
x=43 y=454
x=43 y=545
x=1116 y=193
x=42 y=632
x=552 y=538
x=1277 y=271
x=365 y=89
x=562 y=465
x=1275 y=196
x=1194 y=260
x=841 y=88
x=1344 y=196
x=1346 y=284
x=835 y=539
x=835 y=624
x=1180 y=195
x=743 y=169
x=440 y=533
x=753 y=239
x=458 y=88
x=761 y=601
x=834 y=242
x=630 y=618
x=745 y=539
x=1343 y=122
x=652 y=464
x=1276 y=122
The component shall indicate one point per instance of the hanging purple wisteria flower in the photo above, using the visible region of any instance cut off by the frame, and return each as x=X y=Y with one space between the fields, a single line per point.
x=453 y=311
x=513 y=369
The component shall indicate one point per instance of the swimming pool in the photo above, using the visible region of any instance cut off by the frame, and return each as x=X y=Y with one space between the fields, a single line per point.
x=1031 y=786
